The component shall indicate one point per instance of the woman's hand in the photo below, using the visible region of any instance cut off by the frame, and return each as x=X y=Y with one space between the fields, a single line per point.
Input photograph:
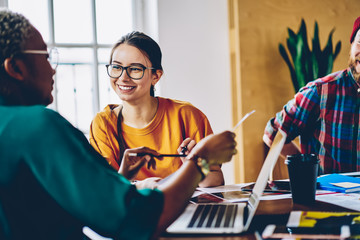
x=130 y=165
x=151 y=182
x=216 y=148
x=185 y=147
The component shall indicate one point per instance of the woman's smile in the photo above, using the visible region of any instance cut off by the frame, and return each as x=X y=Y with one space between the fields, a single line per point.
x=125 y=88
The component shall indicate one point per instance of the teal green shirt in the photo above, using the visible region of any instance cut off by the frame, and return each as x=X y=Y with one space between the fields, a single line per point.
x=52 y=183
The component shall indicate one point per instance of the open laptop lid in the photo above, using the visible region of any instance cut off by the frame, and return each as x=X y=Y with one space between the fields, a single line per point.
x=263 y=177
x=245 y=211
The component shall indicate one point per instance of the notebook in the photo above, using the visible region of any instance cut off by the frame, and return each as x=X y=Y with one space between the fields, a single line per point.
x=339 y=183
x=220 y=218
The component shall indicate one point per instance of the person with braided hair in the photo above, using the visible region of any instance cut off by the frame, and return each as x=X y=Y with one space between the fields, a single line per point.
x=52 y=181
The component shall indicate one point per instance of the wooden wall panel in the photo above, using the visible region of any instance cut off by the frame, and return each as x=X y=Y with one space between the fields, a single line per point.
x=261 y=79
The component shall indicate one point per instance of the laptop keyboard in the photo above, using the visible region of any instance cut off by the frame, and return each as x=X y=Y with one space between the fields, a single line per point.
x=214 y=216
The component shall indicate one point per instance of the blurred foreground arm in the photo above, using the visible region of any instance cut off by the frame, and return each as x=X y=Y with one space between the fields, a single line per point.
x=215 y=176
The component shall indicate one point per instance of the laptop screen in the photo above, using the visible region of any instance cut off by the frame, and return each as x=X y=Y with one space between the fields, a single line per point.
x=209 y=218
x=263 y=177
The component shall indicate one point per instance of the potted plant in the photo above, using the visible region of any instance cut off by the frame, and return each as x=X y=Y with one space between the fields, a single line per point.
x=307 y=65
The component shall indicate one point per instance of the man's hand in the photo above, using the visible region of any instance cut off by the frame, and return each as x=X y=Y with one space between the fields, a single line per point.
x=130 y=165
x=216 y=148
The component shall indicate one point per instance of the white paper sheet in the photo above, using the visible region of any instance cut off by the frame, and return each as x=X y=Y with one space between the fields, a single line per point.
x=349 y=200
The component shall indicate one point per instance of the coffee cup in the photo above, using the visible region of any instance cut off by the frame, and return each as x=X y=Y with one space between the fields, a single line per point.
x=303 y=172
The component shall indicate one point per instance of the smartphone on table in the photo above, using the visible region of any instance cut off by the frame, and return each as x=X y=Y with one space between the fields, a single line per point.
x=276 y=186
x=323 y=232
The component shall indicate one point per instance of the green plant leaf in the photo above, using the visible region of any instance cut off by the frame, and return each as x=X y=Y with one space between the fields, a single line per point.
x=316 y=42
x=300 y=70
x=337 y=49
x=291 y=44
x=315 y=66
x=303 y=34
x=291 y=33
x=328 y=56
x=316 y=52
x=285 y=56
x=308 y=65
x=330 y=63
x=306 y=59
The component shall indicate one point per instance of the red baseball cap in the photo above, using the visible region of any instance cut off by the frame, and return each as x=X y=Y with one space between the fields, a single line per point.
x=355 y=29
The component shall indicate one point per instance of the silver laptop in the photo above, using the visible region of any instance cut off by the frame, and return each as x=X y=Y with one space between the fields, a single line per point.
x=220 y=218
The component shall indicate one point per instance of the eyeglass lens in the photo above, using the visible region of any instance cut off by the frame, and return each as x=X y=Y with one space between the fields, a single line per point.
x=54 y=57
x=134 y=72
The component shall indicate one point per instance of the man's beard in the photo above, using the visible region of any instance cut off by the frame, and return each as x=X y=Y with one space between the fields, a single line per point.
x=352 y=65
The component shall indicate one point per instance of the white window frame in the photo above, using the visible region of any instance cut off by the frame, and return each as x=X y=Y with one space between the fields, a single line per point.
x=145 y=19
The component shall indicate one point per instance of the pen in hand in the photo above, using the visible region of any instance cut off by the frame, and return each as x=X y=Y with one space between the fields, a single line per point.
x=161 y=155
x=183 y=150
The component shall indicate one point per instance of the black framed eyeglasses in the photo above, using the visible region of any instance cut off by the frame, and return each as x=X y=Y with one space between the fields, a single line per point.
x=53 y=55
x=135 y=72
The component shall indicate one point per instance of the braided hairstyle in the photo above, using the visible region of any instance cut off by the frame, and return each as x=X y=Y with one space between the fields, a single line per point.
x=14 y=30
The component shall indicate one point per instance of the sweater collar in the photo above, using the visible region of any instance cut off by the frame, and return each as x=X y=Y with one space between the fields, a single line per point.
x=2 y=100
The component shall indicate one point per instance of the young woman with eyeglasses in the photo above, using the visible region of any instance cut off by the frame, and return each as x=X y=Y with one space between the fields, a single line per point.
x=165 y=125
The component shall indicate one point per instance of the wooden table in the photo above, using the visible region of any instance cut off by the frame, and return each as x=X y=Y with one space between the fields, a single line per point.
x=268 y=212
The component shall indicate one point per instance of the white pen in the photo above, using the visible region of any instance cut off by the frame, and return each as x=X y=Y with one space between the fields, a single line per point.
x=243 y=119
x=161 y=155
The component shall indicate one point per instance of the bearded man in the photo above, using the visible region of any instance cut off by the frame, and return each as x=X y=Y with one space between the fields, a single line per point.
x=325 y=114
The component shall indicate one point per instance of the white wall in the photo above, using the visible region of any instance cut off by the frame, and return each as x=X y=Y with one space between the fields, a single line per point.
x=3 y=3
x=194 y=38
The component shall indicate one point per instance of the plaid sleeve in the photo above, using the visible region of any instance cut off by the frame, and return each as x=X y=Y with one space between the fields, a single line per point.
x=297 y=116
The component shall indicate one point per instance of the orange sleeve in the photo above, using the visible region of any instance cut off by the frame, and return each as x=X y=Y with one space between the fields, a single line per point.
x=103 y=138
x=204 y=129
x=196 y=123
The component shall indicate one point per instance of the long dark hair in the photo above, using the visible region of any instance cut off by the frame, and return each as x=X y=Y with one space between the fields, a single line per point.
x=146 y=45
x=151 y=50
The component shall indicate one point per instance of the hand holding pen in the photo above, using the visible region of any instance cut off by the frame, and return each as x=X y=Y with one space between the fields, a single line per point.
x=183 y=150
x=188 y=144
x=136 y=158
x=185 y=147
x=141 y=154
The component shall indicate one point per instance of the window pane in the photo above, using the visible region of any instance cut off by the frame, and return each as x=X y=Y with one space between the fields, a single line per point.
x=73 y=22
x=104 y=55
x=31 y=10
x=114 y=19
x=75 y=55
x=74 y=86
x=106 y=93
x=73 y=90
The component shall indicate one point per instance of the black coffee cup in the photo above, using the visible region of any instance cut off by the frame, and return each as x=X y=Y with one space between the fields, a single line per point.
x=303 y=172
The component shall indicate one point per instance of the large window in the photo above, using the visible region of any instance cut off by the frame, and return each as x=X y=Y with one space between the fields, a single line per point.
x=84 y=32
